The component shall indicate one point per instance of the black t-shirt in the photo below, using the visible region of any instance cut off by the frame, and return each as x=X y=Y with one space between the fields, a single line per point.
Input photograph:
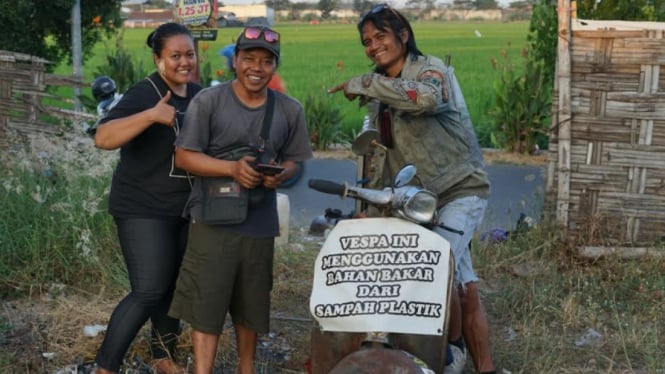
x=146 y=182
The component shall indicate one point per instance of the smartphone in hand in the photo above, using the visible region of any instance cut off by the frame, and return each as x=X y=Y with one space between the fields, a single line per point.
x=267 y=169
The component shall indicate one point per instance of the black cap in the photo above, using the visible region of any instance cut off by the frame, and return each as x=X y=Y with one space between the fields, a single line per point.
x=260 y=42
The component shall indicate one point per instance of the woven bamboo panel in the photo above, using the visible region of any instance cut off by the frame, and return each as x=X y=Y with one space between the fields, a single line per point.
x=23 y=86
x=613 y=191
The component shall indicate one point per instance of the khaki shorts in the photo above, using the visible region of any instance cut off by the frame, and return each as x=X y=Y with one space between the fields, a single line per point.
x=224 y=272
x=464 y=214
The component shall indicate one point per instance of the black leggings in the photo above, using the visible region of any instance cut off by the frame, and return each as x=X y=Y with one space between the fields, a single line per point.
x=153 y=249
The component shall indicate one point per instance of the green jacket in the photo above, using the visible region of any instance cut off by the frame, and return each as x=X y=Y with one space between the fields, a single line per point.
x=431 y=127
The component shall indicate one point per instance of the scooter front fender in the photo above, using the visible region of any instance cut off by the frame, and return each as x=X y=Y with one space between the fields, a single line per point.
x=377 y=361
x=330 y=350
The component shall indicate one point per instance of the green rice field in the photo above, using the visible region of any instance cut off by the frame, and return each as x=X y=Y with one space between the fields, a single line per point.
x=315 y=57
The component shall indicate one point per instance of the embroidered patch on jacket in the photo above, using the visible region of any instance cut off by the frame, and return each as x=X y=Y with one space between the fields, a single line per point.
x=436 y=79
x=412 y=94
x=406 y=89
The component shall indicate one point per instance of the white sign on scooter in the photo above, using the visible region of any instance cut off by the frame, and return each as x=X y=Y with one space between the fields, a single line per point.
x=381 y=274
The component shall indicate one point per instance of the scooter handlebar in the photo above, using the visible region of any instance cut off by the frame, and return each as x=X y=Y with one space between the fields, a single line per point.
x=374 y=197
x=328 y=187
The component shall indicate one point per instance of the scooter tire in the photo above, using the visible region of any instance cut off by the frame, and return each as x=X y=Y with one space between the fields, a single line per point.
x=376 y=361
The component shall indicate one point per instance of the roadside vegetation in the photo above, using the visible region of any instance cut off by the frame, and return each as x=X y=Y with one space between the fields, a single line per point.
x=551 y=312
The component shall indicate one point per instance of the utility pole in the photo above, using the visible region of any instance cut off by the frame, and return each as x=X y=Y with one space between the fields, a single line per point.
x=77 y=59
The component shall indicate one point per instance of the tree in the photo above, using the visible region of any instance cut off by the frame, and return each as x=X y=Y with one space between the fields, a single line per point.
x=463 y=4
x=486 y=4
x=326 y=7
x=363 y=6
x=424 y=5
x=43 y=27
x=300 y=6
x=520 y=4
x=278 y=4
x=627 y=10
x=166 y=4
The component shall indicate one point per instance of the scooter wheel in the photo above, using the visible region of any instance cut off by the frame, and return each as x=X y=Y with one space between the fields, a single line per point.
x=376 y=361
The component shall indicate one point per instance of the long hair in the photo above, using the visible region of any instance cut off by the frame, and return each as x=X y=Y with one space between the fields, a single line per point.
x=385 y=17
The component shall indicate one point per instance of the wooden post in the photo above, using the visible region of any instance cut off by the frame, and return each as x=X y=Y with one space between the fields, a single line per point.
x=197 y=73
x=564 y=112
x=77 y=53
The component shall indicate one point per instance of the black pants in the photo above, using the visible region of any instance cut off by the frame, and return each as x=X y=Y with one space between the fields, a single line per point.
x=153 y=249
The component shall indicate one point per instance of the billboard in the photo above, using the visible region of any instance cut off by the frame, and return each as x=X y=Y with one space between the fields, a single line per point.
x=200 y=16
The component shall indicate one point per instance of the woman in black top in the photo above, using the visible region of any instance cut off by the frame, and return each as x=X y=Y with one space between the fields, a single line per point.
x=147 y=197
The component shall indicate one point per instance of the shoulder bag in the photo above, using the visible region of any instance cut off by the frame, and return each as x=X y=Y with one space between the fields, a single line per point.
x=224 y=201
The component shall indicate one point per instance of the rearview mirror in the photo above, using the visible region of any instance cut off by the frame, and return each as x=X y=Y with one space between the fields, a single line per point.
x=405 y=175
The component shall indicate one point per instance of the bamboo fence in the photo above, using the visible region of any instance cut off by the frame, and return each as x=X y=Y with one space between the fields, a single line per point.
x=28 y=104
x=605 y=180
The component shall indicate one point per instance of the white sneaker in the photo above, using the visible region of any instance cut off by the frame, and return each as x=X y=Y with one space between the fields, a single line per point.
x=459 y=361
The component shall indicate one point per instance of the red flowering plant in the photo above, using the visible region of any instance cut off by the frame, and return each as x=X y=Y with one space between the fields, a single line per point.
x=205 y=72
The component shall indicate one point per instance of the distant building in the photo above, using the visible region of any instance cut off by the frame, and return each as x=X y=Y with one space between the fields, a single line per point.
x=246 y=12
x=466 y=15
x=149 y=18
x=134 y=4
x=228 y=19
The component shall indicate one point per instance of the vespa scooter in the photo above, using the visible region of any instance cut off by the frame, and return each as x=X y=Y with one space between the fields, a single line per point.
x=382 y=285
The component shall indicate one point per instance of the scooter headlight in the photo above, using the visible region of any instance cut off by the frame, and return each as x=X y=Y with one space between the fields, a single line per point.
x=416 y=204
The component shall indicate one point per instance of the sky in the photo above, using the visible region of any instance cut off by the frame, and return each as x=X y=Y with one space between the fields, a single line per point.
x=397 y=3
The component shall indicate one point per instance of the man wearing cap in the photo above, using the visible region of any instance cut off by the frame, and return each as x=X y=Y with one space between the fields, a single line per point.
x=228 y=267
x=276 y=82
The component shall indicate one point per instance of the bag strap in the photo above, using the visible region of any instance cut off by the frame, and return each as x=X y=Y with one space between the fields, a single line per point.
x=176 y=128
x=267 y=118
x=154 y=85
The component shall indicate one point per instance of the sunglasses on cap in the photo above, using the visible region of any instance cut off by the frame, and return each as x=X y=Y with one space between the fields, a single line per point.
x=380 y=9
x=253 y=33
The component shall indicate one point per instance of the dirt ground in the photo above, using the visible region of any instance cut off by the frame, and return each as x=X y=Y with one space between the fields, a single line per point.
x=57 y=330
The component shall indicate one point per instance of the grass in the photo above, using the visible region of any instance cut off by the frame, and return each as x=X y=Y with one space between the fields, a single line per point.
x=61 y=271
x=316 y=57
x=540 y=299
x=543 y=300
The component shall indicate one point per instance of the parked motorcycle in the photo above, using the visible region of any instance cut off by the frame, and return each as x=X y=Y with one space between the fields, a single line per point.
x=382 y=285
x=105 y=93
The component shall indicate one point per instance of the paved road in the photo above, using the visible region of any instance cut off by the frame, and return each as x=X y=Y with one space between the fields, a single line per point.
x=515 y=189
